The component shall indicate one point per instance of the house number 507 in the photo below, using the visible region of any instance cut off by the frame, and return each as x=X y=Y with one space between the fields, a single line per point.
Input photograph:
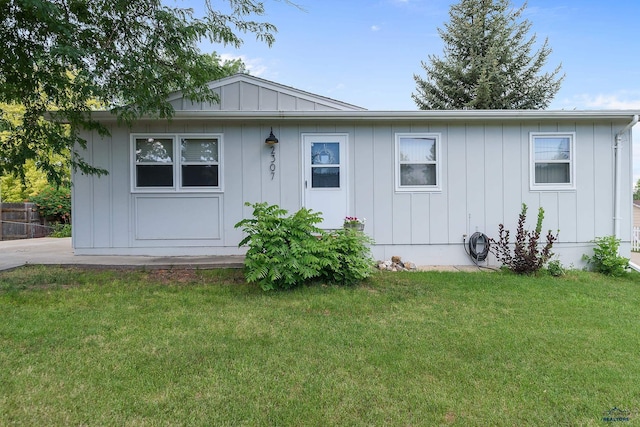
x=272 y=165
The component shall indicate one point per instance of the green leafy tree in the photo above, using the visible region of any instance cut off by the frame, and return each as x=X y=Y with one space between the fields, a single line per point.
x=14 y=189
x=224 y=68
x=488 y=62
x=636 y=191
x=58 y=58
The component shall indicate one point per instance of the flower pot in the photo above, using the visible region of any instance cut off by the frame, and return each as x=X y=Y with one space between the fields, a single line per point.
x=354 y=226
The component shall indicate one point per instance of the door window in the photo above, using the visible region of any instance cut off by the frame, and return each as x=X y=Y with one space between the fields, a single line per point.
x=325 y=165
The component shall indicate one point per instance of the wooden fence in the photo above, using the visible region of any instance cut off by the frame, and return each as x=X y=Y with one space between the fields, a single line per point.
x=21 y=221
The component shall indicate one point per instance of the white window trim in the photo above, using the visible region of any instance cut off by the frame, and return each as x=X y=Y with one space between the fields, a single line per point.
x=438 y=163
x=177 y=163
x=533 y=186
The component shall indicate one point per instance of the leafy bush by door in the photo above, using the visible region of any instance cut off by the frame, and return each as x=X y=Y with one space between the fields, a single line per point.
x=288 y=251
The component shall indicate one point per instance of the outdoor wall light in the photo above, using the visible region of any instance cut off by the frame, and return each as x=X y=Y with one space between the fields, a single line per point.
x=271 y=139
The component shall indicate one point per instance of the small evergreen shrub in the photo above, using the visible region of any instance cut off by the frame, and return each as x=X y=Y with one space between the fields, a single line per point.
x=288 y=251
x=528 y=254
x=54 y=204
x=605 y=257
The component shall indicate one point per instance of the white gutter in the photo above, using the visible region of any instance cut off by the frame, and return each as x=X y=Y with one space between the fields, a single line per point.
x=388 y=116
x=617 y=174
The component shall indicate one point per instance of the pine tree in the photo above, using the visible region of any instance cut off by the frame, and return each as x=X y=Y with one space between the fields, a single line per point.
x=488 y=62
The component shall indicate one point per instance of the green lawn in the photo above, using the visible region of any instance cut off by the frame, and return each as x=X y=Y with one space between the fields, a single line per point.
x=154 y=348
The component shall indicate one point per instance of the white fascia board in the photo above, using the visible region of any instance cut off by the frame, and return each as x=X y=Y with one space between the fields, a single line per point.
x=439 y=115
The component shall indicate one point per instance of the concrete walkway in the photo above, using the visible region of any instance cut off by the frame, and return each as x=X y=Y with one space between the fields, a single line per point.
x=52 y=251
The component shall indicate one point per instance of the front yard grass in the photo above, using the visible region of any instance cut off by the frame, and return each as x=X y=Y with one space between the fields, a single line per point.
x=88 y=347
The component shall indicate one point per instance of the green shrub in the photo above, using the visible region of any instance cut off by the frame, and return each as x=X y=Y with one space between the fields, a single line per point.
x=555 y=268
x=283 y=251
x=349 y=256
x=61 y=230
x=528 y=255
x=605 y=257
x=288 y=251
x=54 y=204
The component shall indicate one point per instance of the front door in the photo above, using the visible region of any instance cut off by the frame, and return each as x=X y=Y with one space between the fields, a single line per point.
x=325 y=177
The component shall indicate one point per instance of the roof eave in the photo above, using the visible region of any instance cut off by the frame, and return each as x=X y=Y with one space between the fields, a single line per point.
x=439 y=115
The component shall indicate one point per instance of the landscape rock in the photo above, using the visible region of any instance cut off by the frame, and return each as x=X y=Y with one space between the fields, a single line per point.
x=396 y=264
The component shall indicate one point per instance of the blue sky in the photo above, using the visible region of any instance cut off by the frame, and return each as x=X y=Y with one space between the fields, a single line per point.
x=366 y=52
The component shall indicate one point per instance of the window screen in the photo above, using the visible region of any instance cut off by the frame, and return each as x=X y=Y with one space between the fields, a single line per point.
x=552 y=159
x=417 y=158
x=199 y=158
x=154 y=162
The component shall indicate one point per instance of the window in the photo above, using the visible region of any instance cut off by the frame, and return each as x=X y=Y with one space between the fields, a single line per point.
x=154 y=162
x=325 y=165
x=163 y=163
x=553 y=159
x=199 y=162
x=417 y=162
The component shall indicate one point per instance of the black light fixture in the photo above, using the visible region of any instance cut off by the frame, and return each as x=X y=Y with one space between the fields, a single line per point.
x=271 y=139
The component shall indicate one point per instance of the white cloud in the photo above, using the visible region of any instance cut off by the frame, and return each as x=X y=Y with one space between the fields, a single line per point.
x=255 y=66
x=616 y=101
x=375 y=28
x=622 y=100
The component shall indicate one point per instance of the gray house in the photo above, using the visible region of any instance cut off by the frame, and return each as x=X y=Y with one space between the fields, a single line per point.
x=422 y=179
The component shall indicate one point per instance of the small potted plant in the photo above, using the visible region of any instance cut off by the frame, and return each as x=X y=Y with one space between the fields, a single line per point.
x=354 y=223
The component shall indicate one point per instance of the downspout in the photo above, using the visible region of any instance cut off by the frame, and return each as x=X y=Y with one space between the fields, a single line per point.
x=617 y=147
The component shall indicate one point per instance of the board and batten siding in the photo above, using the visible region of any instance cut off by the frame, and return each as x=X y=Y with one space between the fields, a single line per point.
x=485 y=180
x=247 y=96
x=485 y=170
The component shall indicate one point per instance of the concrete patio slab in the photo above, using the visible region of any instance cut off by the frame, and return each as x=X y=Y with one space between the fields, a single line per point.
x=53 y=251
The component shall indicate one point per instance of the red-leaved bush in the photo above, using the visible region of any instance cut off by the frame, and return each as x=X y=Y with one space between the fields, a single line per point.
x=528 y=255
